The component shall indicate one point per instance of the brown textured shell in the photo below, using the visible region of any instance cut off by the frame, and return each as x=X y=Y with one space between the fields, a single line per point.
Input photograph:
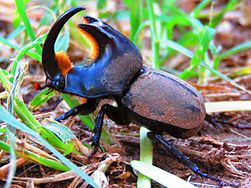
x=165 y=98
x=119 y=71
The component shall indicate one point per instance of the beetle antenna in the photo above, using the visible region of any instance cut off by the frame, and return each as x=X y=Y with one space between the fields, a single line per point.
x=178 y=154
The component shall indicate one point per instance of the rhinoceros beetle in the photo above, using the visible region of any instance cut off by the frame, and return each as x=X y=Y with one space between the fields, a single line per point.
x=155 y=99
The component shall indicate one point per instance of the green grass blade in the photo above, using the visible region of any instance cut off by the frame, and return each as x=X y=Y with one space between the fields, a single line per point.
x=223 y=76
x=241 y=72
x=206 y=35
x=45 y=161
x=195 y=12
x=165 y=178
x=13 y=158
x=11 y=45
x=62 y=132
x=176 y=46
x=240 y=47
x=140 y=28
x=23 y=15
x=101 y=4
x=236 y=49
x=6 y=117
x=62 y=42
x=8 y=43
x=24 y=153
x=4 y=146
x=154 y=35
x=26 y=116
x=230 y=6
x=25 y=49
x=146 y=156
x=189 y=53
x=135 y=16
x=41 y=98
x=16 y=32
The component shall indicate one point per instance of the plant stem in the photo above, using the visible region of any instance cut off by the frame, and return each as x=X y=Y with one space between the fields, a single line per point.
x=154 y=35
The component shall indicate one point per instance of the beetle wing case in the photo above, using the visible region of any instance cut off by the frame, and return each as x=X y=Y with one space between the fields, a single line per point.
x=162 y=97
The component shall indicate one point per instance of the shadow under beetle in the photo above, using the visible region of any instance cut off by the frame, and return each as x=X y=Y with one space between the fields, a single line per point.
x=155 y=99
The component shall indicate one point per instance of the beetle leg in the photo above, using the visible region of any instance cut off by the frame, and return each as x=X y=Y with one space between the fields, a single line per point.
x=115 y=114
x=178 y=154
x=84 y=109
x=58 y=101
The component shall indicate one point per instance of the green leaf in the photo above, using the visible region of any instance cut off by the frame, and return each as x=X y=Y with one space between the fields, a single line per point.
x=176 y=46
x=135 y=16
x=41 y=98
x=6 y=117
x=14 y=46
x=63 y=133
x=101 y=4
x=27 y=117
x=146 y=156
x=195 y=12
x=23 y=15
x=223 y=76
x=164 y=178
x=62 y=42
x=241 y=72
x=230 y=6
x=25 y=49
x=236 y=49
x=206 y=35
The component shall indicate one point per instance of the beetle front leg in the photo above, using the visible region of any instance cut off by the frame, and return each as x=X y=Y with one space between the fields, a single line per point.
x=115 y=114
x=178 y=154
x=84 y=109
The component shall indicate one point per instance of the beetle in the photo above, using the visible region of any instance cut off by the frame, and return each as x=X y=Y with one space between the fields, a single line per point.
x=152 y=98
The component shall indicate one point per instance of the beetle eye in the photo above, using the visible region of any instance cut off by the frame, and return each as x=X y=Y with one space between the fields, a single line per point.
x=58 y=83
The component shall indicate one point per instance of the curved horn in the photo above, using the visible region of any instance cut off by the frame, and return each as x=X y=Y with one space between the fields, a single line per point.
x=108 y=38
x=49 y=62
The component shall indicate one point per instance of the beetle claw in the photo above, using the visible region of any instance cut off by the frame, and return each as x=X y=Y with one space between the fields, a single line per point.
x=178 y=154
x=94 y=151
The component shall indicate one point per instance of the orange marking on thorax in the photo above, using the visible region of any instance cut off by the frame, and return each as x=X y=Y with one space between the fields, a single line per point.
x=83 y=100
x=94 y=47
x=64 y=62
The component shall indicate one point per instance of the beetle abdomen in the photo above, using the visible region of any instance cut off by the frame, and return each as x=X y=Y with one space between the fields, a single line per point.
x=165 y=98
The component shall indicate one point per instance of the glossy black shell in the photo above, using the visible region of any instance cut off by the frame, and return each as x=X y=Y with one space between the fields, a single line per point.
x=109 y=74
x=167 y=101
x=117 y=62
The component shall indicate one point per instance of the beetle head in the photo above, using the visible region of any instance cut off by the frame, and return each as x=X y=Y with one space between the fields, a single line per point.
x=108 y=48
x=49 y=60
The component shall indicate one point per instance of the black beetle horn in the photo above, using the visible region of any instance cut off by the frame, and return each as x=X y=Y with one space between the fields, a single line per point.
x=49 y=62
x=111 y=43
